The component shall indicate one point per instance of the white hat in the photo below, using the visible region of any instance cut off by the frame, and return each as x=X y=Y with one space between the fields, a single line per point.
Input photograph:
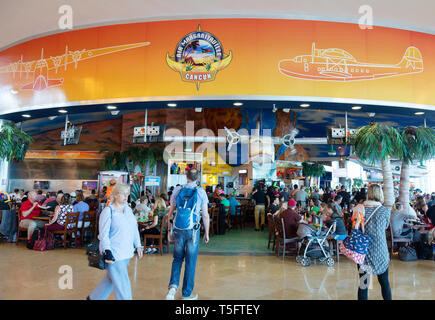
x=73 y=194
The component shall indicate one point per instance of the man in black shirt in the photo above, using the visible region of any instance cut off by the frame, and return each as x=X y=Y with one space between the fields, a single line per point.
x=260 y=208
x=53 y=204
x=345 y=196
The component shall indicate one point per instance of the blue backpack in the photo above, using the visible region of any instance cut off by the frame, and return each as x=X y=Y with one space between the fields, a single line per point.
x=186 y=217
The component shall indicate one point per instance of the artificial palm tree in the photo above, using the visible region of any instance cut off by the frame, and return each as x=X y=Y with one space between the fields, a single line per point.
x=313 y=170
x=14 y=143
x=374 y=144
x=418 y=145
x=129 y=159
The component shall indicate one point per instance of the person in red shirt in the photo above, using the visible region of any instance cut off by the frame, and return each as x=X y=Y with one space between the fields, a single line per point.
x=29 y=210
x=291 y=219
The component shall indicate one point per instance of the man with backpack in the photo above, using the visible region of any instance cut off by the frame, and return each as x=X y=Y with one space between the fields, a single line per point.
x=188 y=202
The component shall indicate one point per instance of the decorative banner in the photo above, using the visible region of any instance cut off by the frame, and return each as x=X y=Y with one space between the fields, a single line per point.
x=269 y=59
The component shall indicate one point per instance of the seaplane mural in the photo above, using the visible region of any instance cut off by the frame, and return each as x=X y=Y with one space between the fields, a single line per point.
x=38 y=70
x=338 y=65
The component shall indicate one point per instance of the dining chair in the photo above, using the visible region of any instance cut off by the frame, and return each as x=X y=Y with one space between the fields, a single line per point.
x=272 y=235
x=282 y=241
x=70 y=229
x=228 y=218
x=394 y=240
x=215 y=219
x=20 y=229
x=237 y=220
x=88 y=225
x=158 y=237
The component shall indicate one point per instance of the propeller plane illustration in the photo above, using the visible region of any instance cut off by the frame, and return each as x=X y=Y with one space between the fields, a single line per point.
x=338 y=65
x=39 y=69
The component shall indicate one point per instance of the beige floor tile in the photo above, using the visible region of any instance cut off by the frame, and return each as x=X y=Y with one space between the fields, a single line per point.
x=26 y=274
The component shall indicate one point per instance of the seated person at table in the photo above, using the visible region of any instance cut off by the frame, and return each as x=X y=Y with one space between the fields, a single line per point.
x=224 y=201
x=160 y=210
x=291 y=219
x=274 y=207
x=142 y=209
x=53 y=204
x=339 y=230
x=57 y=222
x=92 y=200
x=30 y=209
x=233 y=204
x=15 y=196
x=398 y=219
x=40 y=197
x=51 y=196
x=82 y=207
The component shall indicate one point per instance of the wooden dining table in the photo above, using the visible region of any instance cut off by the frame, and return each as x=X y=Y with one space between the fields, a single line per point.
x=41 y=218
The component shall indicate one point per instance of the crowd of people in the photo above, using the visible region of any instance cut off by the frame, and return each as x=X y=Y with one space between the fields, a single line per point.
x=336 y=208
x=54 y=205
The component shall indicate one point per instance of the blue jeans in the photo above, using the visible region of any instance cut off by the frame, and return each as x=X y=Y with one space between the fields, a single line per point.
x=184 y=248
x=116 y=280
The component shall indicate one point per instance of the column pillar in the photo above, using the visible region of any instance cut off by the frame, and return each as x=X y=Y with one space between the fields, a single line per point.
x=4 y=167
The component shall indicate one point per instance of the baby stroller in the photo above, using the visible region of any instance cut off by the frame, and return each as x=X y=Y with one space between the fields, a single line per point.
x=313 y=245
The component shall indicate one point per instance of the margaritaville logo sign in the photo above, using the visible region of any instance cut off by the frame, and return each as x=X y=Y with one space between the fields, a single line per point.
x=198 y=57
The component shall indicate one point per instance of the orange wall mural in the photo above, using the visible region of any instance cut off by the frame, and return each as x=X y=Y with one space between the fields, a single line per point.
x=219 y=57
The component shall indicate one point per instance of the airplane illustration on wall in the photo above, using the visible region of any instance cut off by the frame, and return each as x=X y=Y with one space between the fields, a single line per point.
x=338 y=65
x=39 y=69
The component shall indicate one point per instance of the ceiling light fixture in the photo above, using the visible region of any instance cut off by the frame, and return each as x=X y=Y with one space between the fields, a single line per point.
x=304 y=105
x=52 y=117
x=172 y=105
x=62 y=111
x=112 y=107
x=26 y=115
x=238 y=104
x=419 y=113
x=356 y=108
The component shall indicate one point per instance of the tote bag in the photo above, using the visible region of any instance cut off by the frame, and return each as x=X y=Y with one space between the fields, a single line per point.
x=355 y=246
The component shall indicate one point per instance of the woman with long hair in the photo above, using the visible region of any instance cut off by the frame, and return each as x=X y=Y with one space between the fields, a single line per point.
x=377 y=220
x=160 y=210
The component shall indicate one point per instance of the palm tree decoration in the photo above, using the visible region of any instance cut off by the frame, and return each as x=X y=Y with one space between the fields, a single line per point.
x=145 y=158
x=313 y=170
x=374 y=144
x=418 y=145
x=129 y=159
x=14 y=143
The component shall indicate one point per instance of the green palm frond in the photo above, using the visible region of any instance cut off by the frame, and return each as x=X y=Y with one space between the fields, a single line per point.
x=13 y=143
x=313 y=169
x=426 y=143
x=418 y=144
x=377 y=142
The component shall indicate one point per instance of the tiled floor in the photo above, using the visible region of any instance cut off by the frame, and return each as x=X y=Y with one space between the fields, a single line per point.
x=26 y=274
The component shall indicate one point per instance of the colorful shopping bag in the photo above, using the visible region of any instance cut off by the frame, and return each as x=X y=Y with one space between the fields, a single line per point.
x=355 y=246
